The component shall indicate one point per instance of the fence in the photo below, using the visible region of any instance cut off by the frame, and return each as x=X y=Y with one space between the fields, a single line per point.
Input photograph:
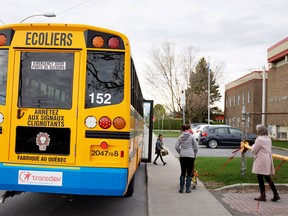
x=277 y=126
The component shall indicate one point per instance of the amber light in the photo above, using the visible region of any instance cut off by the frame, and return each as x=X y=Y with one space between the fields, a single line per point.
x=113 y=42
x=98 y=41
x=105 y=122
x=2 y=40
x=119 y=123
x=104 y=145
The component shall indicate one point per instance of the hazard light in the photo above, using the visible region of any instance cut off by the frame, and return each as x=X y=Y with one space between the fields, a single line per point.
x=3 y=39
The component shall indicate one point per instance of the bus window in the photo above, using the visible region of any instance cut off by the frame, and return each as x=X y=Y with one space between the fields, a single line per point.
x=46 y=80
x=104 y=79
x=3 y=75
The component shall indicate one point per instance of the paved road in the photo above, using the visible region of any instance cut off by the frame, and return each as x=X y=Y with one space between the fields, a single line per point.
x=203 y=150
x=50 y=204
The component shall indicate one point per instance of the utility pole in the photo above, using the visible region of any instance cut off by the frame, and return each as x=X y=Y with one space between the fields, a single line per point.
x=263 y=96
x=208 y=91
x=183 y=103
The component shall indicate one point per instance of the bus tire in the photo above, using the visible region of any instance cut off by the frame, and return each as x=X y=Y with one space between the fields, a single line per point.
x=130 y=188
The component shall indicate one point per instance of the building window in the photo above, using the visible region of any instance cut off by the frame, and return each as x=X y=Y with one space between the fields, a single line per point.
x=234 y=100
x=226 y=102
x=239 y=100
x=249 y=97
x=243 y=99
x=230 y=101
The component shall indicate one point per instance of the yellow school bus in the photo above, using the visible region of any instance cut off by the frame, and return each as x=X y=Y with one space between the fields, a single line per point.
x=71 y=111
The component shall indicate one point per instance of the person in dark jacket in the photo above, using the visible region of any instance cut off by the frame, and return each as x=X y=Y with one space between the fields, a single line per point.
x=187 y=147
x=158 y=148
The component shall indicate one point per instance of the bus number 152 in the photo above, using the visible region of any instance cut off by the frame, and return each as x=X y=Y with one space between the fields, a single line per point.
x=100 y=98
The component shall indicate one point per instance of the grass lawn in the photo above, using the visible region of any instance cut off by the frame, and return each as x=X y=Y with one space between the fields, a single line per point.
x=216 y=172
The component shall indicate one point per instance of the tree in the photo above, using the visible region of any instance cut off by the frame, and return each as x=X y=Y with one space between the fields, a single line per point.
x=197 y=92
x=159 y=112
x=166 y=76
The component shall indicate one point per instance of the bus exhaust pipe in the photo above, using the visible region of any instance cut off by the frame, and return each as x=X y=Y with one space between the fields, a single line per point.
x=9 y=194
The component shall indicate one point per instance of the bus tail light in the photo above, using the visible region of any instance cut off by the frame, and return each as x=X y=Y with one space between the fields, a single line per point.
x=113 y=42
x=98 y=42
x=3 y=39
x=105 y=122
x=119 y=123
x=104 y=145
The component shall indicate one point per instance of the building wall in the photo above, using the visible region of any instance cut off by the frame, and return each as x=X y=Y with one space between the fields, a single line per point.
x=277 y=97
x=245 y=91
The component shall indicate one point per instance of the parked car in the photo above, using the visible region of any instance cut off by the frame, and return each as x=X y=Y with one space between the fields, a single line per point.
x=198 y=130
x=195 y=125
x=215 y=136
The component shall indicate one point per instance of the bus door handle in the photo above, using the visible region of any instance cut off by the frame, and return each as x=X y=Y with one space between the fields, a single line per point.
x=20 y=113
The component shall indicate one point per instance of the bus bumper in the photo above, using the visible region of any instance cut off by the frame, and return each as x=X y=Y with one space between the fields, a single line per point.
x=68 y=180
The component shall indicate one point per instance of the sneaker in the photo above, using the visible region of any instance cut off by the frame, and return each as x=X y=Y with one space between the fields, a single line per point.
x=164 y=163
x=155 y=163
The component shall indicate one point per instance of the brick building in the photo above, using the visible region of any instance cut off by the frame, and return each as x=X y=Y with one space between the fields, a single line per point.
x=246 y=91
x=277 y=96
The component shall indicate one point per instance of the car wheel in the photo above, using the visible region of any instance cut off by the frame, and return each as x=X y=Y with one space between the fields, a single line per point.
x=212 y=143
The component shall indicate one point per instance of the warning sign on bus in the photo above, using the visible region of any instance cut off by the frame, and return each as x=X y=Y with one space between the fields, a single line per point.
x=48 y=65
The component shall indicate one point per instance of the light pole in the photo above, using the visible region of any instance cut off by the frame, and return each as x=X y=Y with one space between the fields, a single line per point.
x=44 y=14
x=208 y=91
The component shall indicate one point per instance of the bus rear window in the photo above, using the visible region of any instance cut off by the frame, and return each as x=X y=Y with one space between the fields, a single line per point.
x=3 y=75
x=104 y=79
x=46 y=80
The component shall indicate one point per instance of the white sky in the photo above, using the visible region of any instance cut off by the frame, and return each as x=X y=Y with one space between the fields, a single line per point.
x=237 y=33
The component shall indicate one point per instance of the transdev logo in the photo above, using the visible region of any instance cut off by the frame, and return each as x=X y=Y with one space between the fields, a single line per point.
x=30 y=177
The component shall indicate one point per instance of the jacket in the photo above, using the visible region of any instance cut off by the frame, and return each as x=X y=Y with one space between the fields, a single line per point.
x=158 y=146
x=186 y=145
x=263 y=161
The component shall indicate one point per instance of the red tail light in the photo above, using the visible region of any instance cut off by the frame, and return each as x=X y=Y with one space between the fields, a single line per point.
x=204 y=134
x=105 y=122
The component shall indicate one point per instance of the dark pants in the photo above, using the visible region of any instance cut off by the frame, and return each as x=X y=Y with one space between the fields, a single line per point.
x=158 y=155
x=267 y=178
x=187 y=165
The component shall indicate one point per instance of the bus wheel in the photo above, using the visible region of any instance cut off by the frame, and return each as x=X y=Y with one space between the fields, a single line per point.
x=130 y=189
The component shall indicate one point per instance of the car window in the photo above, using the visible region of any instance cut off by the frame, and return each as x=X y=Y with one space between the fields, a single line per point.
x=235 y=131
x=221 y=130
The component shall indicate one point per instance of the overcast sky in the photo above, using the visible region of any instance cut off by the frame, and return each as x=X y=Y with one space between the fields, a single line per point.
x=237 y=33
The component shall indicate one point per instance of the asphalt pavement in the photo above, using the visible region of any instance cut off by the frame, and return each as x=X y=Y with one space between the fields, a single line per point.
x=164 y=198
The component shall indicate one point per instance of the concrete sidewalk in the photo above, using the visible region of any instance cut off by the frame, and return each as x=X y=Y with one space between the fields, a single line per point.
x=164 y=198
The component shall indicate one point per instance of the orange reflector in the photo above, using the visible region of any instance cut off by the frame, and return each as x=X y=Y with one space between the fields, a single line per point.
x=2 y=40
x=105 y=122
x=104 y=145
x=122 y=154
x=119 y=123
x=98 y=41
x=113 y=42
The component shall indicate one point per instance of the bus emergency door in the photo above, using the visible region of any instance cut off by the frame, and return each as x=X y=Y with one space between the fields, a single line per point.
x=44 y=107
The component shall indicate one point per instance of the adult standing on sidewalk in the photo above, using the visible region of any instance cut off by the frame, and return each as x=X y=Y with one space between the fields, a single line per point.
x=187 y=147
x=263 y=165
